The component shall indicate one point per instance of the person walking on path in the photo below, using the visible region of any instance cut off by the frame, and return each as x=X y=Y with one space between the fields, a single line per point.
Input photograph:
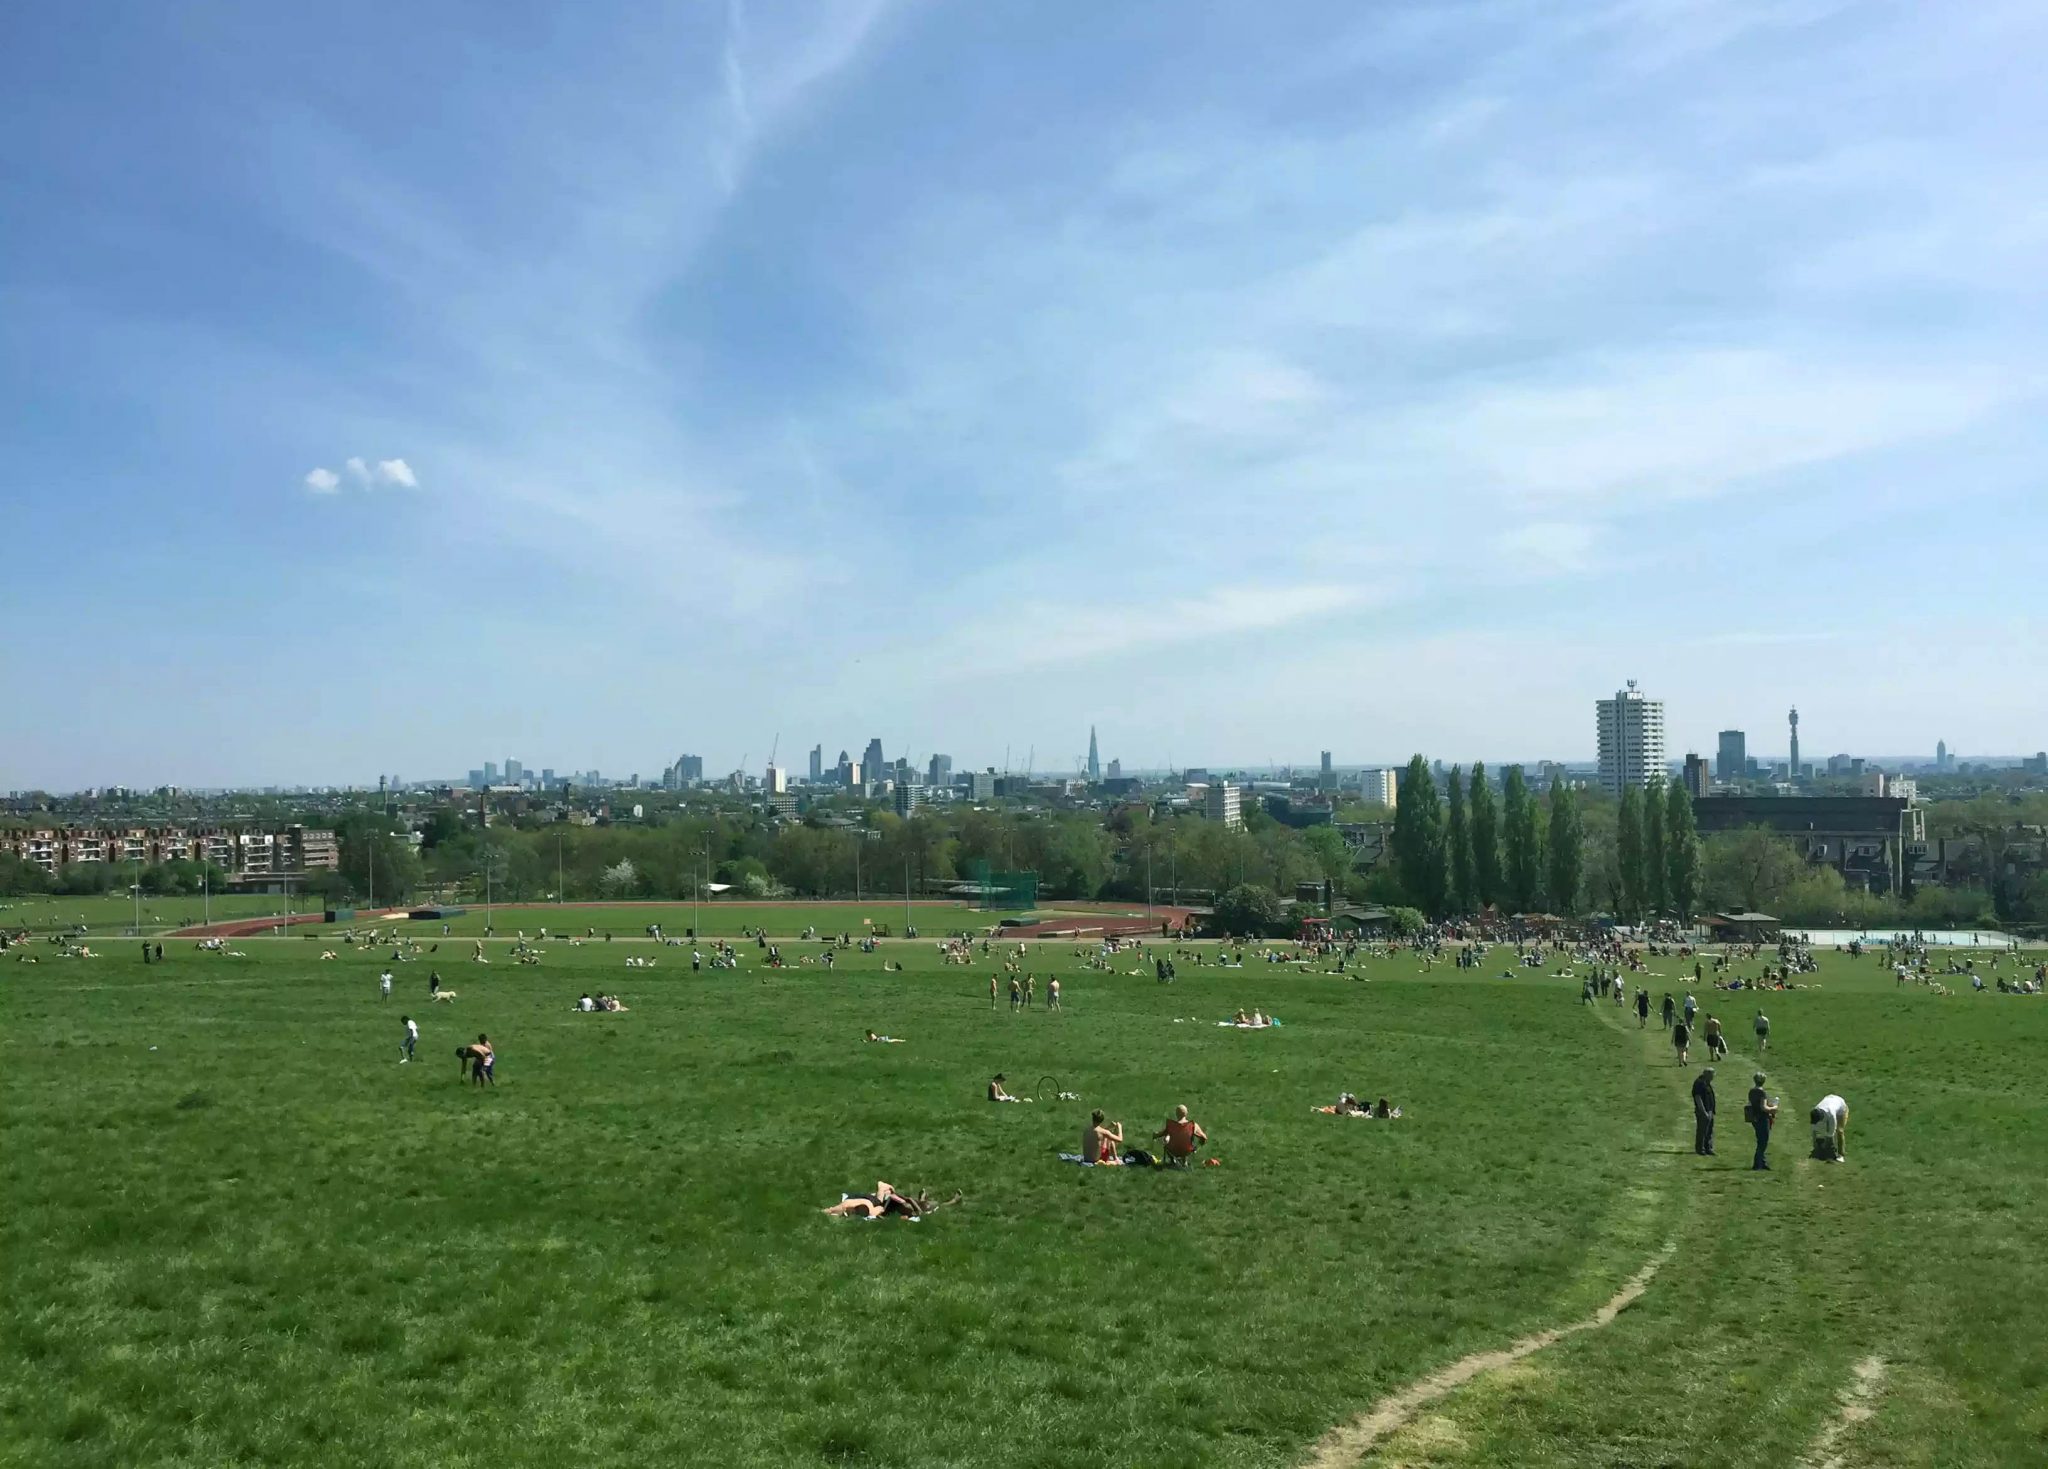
x=1703 y=1112
x=1763 y=1032
x=1642 y=1009
x=384 y=984
x=1670 y=1008
x=991 y=992
x=409 y=1038
x=1717 y=1044
x=1692 y=1007
x=1681 y=1042
x=1761 y=1112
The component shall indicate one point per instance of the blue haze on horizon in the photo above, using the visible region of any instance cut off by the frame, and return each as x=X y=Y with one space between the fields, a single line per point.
x=391 y=388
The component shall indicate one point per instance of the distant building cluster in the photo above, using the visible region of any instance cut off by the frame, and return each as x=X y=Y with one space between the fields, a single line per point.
x=247 y=855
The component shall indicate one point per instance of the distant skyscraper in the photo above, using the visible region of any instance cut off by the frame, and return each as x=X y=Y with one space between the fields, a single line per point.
x=776 y=782
x=817 y=763
x=490 y=772
x=1794 y=718
x=1731 y=758
x=1631 y=730
x=1379 y=788
x=1225 y=806
x=940 y=771
x=1941 y=754
x=1326 y=764
x=907 y=798
x=1697 y=781
x=1116 y=770
x=872 y=762
x=515 y=773
x=689 y=768
x=1094 y=758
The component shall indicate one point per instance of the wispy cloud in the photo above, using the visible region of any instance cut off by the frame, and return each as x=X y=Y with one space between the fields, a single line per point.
x=322 y=481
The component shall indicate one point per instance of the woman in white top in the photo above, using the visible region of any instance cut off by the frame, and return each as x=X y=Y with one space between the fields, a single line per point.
x=1830 y=1121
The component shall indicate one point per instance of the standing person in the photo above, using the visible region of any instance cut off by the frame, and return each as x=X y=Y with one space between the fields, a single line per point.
x=1703 y=1112
x=1761 y=1112
x=1030 y=989
x=145 y=952
x=1183 y=1135
x=1681 y=1042
x=384 y=984
x=1642 y=1009
x=1763 y=1032
x=1052 y=992
x=1692 y=1007
x=1016 y=995
x=992 y=992
x=408 y=1038
x=1670 y=1008
x=434 y=983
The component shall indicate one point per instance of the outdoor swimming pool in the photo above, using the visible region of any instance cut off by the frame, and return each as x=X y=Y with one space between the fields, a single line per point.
x=1933 y=938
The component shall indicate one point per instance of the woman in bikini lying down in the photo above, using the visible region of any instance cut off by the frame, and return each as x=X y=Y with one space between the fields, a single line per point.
x=885 y=1200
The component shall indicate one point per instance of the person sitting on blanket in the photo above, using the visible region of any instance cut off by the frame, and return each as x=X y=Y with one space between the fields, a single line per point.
x=1346 y=1106
x=1381 y=1109
x=996 y=1092
x=1102 y=1142
x=1183 y=1136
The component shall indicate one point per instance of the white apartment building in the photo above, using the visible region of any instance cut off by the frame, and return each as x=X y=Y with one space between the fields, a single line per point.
x=1631 y=739
x=1224 y=803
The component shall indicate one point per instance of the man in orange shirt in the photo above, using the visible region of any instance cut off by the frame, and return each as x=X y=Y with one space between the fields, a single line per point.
x=1183 y=1135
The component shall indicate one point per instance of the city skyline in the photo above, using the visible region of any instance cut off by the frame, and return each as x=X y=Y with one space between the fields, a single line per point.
x=1419 y=370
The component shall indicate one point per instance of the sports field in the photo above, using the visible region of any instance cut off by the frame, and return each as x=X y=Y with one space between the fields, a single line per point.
x=238 y=1232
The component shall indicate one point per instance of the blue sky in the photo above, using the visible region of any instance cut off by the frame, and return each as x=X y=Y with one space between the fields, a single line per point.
x=392 y=387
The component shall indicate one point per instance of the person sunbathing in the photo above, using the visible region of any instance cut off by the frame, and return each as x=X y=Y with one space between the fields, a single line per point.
x=884 y=1200
x=1346 y=1105
x=1240 y=1018
x=886 y=1040
x=1102 y=1142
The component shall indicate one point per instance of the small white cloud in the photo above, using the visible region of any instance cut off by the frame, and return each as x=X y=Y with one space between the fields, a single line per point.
x=323 y=481
x=397 y=472
x=358 y=471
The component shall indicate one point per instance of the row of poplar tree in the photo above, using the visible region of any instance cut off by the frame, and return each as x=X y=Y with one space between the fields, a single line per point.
x=1458 y=850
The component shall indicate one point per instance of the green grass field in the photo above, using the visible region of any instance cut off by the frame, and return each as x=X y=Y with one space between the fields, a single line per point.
x=115 y=913
x=237 y=1232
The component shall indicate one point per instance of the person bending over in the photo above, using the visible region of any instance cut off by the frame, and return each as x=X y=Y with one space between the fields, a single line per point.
x=1830 y=1121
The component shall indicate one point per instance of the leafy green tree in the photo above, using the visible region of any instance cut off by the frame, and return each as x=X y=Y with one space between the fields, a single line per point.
x=1653 y=846
x=1460 y=832
x=1406 y=921
x=1629 y=856
x=1681 y=855
x=1485 y=839
x=1752 y=869
x=1522 y=841
x=1419 y=842
x=1250 y=911
x=18 y=875
x=1567 y=849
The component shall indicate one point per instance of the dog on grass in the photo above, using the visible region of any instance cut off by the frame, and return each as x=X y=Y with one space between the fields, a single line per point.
x=440 y=995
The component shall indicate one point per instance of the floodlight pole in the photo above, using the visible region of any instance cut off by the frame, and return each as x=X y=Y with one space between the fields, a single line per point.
x=138 y=897
x=1148 y=879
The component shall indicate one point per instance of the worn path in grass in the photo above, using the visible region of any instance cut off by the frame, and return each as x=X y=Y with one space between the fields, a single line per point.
x=263 y=1241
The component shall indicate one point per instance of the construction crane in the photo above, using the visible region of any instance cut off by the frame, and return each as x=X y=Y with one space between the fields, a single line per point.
x=774 y=748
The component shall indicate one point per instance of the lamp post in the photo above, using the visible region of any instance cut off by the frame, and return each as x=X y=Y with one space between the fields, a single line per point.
x=1148 y=879
x=137 y=886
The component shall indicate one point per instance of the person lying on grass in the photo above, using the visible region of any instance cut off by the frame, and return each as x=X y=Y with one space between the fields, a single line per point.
x=1183 y=1136
x=886 y=1040
x=1350 y=1106
x=997 y=1094
x=1102 y=1141
x=885 y=1200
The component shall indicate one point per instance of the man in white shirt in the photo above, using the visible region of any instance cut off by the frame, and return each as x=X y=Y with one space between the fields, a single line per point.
x=384 y=984
x=410 y=1039
x=1830 y=1121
